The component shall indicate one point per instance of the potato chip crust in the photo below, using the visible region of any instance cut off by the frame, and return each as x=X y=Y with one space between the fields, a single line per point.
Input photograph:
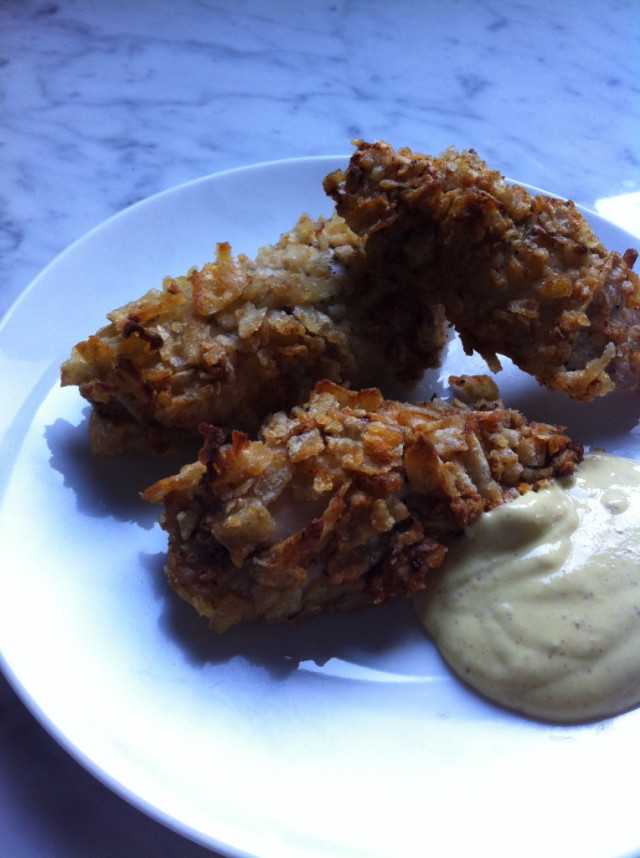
x=345 y=502
x=240 y=338
x=518 y=275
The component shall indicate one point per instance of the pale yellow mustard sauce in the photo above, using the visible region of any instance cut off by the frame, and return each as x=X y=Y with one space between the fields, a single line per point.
x=537 y=606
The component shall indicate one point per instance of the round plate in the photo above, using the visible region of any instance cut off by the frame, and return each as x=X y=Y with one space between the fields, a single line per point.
x=346 y=736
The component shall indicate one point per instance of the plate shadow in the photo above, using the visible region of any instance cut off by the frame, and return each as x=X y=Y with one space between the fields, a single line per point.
x=109 y=485
x=356 y=637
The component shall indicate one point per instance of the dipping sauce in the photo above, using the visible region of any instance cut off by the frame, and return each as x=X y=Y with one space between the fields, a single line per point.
x=538 y=605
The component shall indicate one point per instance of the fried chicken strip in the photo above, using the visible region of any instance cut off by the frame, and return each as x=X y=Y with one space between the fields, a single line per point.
x=346 y=502
x=518 y=275
x=240 y=338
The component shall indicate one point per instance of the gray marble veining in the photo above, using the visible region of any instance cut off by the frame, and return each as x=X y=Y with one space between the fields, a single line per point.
x=105 y=102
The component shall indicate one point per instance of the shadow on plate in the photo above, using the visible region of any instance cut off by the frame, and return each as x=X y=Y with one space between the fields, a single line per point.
x=109 y=486
x=605 y=422
x=360 y=637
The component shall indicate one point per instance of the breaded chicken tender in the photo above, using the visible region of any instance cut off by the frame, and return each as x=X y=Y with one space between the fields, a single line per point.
x=346 y=502
x=241 y=338
x=518 y=275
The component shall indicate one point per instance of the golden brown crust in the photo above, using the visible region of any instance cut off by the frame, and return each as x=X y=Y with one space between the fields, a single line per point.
x=241 y=338
x=519 y=275
x=475 y=389
x=346 y=502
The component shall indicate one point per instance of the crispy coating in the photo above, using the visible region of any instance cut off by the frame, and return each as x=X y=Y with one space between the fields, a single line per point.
x=518 y=275
x=240 y=338
x=346 y=502
x=476 y=389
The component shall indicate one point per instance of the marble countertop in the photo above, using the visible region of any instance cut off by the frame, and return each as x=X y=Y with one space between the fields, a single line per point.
x=106 y=102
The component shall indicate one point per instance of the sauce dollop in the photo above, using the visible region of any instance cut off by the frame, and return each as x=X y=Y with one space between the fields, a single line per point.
x=538 y=605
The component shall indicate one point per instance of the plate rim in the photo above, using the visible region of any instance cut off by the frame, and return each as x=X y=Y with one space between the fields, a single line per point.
x=19 y=688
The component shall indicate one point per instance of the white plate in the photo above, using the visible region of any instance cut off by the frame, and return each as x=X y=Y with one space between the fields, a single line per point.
x=344 y=737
